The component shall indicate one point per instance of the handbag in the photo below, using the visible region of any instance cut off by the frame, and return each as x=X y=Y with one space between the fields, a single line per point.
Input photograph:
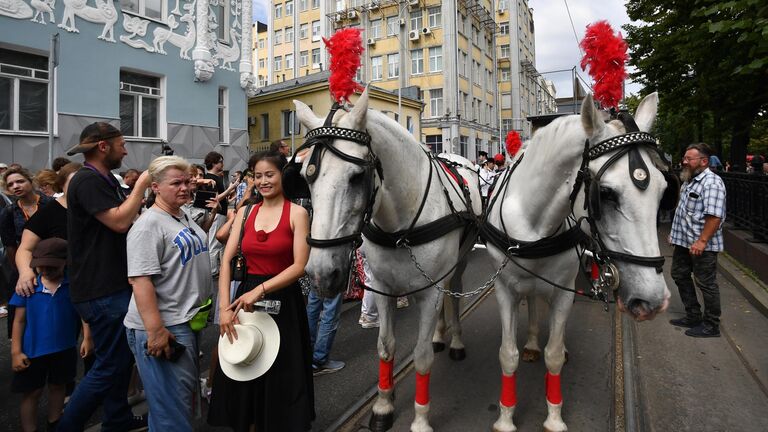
x=238 y=264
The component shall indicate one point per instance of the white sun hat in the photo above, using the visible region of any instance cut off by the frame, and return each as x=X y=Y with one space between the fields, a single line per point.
x=255 y=349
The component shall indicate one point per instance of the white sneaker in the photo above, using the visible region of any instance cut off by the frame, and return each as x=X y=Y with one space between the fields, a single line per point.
x=3 y=311
x=366 y=322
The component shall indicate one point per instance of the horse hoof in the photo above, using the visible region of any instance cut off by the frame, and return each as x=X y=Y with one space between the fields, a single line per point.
x=531 y=356
x=438 y=347
x=381 y=422
x=457 y=354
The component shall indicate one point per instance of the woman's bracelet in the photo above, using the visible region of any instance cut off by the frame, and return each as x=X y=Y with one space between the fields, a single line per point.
x=263 y=291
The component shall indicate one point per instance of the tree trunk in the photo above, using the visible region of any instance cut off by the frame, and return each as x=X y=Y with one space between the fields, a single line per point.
x=740 y=132
x=717 y=135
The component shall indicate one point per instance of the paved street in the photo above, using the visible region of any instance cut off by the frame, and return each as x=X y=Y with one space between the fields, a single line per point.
x=684 y=384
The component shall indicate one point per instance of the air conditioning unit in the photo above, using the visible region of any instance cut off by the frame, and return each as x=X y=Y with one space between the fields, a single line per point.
x=315 y=65
x=401 y=22
x=426 y=31
x=413 y=2
x=413 y=35
x=352 y=14
x=371 y=41
x=373 y=6
x=338 y=17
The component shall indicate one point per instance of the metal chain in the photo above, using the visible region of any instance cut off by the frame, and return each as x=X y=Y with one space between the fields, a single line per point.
x=472 y=293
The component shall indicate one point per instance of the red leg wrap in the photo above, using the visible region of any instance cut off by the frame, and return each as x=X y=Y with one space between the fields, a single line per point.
x=385 y=374
x=554 y=393
x=595 y=271
x=508 y=390
x=422 y=389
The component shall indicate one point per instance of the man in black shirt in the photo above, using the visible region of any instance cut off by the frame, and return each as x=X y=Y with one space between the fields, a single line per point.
x=99 y=217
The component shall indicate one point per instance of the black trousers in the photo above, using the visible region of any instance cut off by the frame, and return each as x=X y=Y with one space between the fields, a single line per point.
x=703 y=269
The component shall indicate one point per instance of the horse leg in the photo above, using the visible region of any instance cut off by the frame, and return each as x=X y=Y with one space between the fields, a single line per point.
x=508 y=357
x=423 y=356
x=438 y=338
x=554 y=358
x=531 y=350
x=451 y=313
x=383 y=415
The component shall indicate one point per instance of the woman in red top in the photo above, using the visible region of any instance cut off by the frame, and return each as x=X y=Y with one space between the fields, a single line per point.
x=276 y=251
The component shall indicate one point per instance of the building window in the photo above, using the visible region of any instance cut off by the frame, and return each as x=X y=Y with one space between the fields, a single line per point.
x=278 y=11
x=223 y=115
x=288 y=34
x=417 y=20
x=463 y=145
x=339 y=5
x=304 y=58
x=435 y=59
x=504 y=29
x=140 y=100
x=152 y=9
x=393 y=65
x=409 y=123
x=278 y=37
x=302 y=5
x=435 y=143
x=462 y=63
x=504 y=51
x=376 y=68
x=506 y=100
x=436 y=102
x=503 y=5
x=261 y=43
x=315 y=4
x=289 y=8
x=315 y=56
x=289 y=129
x=262 y=80
x=393 y=28
x=265 y=127
x=435 y=16
x=375 y=31
x=23 y=91
x=262 y=63
x=417 y=61
x=289 y=61
x=467 y=72
x=221 y=12
x=474 y=34
x=278 y=63
x=304 y=31
x=506 y=126
x=505 y=76
x=315 y=30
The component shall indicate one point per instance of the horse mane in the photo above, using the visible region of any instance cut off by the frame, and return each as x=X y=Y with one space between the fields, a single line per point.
x=375 y=118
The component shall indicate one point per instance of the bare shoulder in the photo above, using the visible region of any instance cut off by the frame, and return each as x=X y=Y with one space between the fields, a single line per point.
x=298 y=211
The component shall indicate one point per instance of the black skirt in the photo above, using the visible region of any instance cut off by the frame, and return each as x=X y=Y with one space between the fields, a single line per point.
x=283 y=399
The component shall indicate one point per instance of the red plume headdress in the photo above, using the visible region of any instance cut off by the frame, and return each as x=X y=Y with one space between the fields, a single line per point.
x=606 y=54
x=513 y=143
x=345 y=48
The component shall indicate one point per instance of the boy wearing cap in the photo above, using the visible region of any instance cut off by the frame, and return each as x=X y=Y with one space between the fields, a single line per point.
x=45 y=330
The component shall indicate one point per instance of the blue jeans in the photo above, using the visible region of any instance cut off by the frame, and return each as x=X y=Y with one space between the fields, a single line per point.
x=170 y=387
x=321 y=335
x=106 y=383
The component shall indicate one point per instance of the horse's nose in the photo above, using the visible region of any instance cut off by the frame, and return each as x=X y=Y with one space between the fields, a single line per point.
x=329 y=285
x=641 y=309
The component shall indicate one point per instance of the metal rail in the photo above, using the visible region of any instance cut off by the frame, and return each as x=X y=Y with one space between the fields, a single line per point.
x=747 y=202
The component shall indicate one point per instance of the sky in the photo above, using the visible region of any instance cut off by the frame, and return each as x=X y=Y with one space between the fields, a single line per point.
x=556 y=46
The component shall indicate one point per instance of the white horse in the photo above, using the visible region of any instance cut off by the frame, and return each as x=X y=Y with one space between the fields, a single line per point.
x=341 y=193
x=535 y=203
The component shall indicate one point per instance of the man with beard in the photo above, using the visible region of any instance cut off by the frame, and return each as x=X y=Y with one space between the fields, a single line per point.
x=99 y=217
x=697 y=238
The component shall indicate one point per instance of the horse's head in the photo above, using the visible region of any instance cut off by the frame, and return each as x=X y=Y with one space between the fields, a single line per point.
x=623 y=200
x=340 y=173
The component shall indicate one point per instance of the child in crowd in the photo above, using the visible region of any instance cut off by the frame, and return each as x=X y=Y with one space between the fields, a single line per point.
x=45 y=329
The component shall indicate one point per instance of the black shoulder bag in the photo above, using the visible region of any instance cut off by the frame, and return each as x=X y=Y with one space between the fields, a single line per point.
x=238 y=264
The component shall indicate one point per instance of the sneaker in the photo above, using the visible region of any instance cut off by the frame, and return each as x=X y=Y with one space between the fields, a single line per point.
x=366 y=322
x=685 y=321
x=139 y=423
x=3 y=311
x=330 y=366
x=703 y=330
x=205 y=391
x=402 y=302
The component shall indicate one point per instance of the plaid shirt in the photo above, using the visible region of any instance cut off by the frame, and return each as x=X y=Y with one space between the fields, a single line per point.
x=702 y=195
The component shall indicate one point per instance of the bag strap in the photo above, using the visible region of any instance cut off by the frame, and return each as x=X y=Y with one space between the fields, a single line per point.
x=242 y=228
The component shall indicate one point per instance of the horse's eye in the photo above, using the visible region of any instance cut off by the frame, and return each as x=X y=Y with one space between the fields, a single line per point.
x=608 y=194
x=357 y=178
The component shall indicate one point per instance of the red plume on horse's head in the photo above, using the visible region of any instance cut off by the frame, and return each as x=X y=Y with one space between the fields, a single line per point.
x=345 y=48
x=513 y=143
x=606 y=54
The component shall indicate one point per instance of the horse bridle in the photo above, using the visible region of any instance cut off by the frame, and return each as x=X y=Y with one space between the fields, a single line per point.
x=322 y=139
x=625 y=144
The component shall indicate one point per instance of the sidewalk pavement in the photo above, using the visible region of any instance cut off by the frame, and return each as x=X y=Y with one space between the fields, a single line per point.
x=711 y=384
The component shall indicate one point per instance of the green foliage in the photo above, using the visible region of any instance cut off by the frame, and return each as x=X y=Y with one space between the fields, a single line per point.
x=708 y=60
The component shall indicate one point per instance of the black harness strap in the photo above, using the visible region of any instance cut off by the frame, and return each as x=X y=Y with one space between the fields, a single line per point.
x=418 y=235
x=542 y=248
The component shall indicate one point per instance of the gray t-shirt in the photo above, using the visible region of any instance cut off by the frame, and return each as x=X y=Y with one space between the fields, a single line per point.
x=174 y=252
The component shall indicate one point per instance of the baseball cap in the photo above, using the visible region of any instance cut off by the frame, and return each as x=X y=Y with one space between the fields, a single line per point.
x=498 y=158
x=3 y=165
x=51 y=252
x=92 y=135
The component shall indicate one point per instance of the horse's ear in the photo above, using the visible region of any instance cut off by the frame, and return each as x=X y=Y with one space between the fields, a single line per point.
x=591 y=119
x=646 y=112
x=360 y=109
x=306 y=116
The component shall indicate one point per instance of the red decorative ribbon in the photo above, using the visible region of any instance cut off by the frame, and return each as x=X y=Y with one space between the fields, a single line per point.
x=554 y=392
x=422 y=388
x=508 y=390
x=385 y=374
